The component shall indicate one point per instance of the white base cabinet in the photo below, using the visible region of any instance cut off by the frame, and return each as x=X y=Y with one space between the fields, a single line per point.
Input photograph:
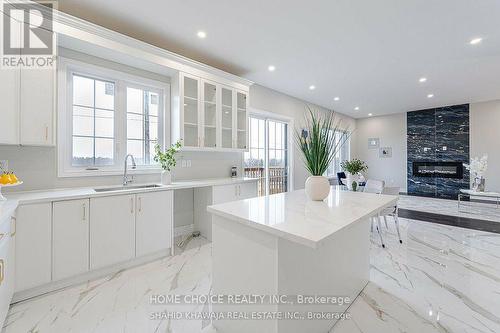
x=33 y=245
x=112 y=230
x=70 y=234
x=154 y=222
x=7 y=265
x=228 y=193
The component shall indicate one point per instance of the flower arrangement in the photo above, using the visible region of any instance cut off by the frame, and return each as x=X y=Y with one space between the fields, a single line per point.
x=354 y=166
x=477 y=166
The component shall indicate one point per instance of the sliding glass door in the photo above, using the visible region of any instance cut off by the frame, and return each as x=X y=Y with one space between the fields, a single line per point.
x=268 y=156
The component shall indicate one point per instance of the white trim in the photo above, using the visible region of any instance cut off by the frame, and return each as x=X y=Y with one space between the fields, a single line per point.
x=267 y=115
x=67 y=67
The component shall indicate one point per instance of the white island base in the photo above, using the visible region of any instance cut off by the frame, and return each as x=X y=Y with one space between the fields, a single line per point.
x=253 y=262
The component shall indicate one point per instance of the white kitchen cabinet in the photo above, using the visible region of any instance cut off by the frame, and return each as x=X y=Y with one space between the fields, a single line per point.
x=37 y=91
x=7 y=265
x=70 y=234
x=9 y=109
x=9 y=103
x=247 y=190
x=241 y=120
x=112 y=230
x=33 y=245
x=154 y=222
x=209 y=115
x=227 y=193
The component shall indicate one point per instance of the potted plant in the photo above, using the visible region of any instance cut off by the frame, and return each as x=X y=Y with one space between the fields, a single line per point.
x=317 y=143
x=477 y=168
x=353 y=169
x=167 y=161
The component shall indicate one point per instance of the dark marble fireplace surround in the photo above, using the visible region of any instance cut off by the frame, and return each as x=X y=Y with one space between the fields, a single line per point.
x=435 y=136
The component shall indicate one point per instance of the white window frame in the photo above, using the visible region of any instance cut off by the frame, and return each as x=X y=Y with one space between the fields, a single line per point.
x=266 y=115
x=66 y=68
x=348 y=143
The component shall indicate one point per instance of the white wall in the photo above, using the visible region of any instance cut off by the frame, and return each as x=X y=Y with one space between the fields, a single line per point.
x=391 y=130
x=265 y=99
x=485 y=139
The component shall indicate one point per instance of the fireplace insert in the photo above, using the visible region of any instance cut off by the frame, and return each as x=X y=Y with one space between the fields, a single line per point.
x=438 y=169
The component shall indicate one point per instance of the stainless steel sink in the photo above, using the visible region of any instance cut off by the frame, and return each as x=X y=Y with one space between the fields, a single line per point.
x=125 y=188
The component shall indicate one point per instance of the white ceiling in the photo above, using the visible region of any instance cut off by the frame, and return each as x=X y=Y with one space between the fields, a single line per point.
x=369 y=53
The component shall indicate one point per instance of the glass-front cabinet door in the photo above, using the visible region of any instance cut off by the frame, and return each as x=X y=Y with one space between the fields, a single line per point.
x=191 y=116
x=227 y=116
x=209 y=114
x=241 y=120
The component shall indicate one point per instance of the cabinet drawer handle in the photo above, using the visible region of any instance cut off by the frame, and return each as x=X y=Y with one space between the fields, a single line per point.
x=13 y=220
x=140 y=204
x=131 y=205
x=46 y=133
x=2 y=271
x=84 y=212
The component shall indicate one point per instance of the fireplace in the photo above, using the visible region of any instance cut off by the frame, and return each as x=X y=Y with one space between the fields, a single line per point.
x=438 y=169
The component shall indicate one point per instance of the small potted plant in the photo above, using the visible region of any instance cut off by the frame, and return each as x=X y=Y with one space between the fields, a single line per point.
x=167 y=161
x=352 y=169
x=317 y=143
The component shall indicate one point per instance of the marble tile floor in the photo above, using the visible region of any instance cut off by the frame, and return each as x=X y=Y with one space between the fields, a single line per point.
x=475 y=210
x=441 y=279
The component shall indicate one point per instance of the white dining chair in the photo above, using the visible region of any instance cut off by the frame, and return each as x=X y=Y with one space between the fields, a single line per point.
x=392 y=211
x=376 y=187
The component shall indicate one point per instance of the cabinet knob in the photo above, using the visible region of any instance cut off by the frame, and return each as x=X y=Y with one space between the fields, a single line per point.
x=13 y=220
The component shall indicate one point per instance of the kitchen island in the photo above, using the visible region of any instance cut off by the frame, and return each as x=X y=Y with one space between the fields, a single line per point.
x=283 y=247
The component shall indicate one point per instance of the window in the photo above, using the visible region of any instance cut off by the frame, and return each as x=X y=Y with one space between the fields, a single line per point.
x=342 y=154
x=106 y=115
x=93 y=105
x=268 y=156
x=142 y=124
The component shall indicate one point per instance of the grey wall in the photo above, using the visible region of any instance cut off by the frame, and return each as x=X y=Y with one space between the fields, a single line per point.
x=485 y=139
x=391 y=130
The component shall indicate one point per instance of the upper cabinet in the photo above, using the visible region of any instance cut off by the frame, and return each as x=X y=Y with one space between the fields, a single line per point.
x=27 y=95
x=210 y=115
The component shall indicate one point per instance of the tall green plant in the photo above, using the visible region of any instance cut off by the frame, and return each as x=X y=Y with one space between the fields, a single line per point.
x=317 y=141
x=167 y=159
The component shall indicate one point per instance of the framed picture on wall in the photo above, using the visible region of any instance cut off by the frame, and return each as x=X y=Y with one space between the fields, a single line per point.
x=373 y=143
x=385 y=152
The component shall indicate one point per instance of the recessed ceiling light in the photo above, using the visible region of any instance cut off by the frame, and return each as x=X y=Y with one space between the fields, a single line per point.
x=201 y=34
x=356 y=108
x=430 y=95
x=475 y=41
x=370 y=114
x=312 y=87
x=271 y=68
x=422 y=79
x=336 y=99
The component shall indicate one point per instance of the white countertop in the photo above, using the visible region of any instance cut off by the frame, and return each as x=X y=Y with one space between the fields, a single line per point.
x=30 y=197
x=480 y=194
x=294 y=217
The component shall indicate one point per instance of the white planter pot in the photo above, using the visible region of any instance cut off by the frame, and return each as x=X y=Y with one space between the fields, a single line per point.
x=317 y=188
x=349 y=179
x=166 y=177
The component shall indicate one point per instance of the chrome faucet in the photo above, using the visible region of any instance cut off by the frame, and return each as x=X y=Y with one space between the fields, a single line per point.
x=126 y=180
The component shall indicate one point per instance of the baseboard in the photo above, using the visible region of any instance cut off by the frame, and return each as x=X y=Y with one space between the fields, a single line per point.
x=85 y=277
x=183 y=230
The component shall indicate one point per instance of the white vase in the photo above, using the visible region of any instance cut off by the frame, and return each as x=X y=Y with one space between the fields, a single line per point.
x=350 y=178
x=317 y=188
x=166 y=177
